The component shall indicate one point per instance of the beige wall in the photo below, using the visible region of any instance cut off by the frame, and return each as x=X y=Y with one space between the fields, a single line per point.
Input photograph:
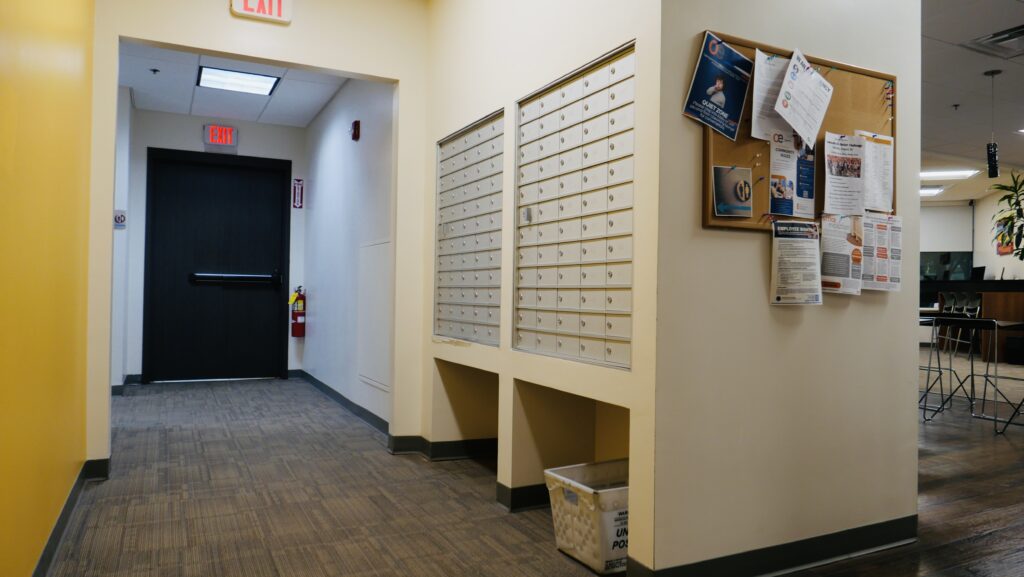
x=751 y=453
x=984 y=247
x=368 y=39
x=486 y=55
x=779 y=424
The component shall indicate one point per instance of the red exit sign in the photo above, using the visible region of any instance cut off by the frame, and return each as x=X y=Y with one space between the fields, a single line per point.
x=220 y=135
x=273 y=10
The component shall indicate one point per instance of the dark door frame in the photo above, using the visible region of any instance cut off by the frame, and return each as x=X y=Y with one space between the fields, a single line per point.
x=284 y=168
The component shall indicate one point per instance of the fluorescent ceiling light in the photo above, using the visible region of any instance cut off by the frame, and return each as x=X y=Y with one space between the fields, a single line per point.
x=1021 y=130
x=947 y=174
x=931 y=190
x=237 y=81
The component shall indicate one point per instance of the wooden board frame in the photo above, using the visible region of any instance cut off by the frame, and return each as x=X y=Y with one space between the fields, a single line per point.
x=858 y=103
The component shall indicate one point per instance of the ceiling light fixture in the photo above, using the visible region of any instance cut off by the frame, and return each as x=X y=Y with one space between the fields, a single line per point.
x=931 y=190
x=237 y=81
x=947 y=174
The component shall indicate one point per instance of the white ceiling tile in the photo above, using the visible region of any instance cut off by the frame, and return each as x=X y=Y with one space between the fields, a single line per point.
x=242 y=66
x=952 y=74
x=168 y=91
x=296 y=103
x=958 y=21
x=298 y=98
x=227 y=104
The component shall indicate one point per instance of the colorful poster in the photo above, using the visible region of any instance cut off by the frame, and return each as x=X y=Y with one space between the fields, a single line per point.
x=733 y=191
x=791 y=186
x=1005 y=247
x=804 y=98
x=844 y=187
x=883 y=252
x=842 y=253
x=796 y=263
x=718 y=90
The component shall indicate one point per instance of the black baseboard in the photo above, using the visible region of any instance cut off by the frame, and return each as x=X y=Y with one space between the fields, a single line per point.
x=96 y=469
x=443 y=450
x=405 y=444
x=117 y=390
x=517 y=499
x=133 y=379
x=87 y=473
x=371 y=419
x=798 y=554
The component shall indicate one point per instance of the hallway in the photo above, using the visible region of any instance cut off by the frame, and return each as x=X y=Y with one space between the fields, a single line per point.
x=272 y=478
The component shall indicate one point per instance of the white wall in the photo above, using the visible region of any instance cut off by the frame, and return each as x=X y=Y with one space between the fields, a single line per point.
x=996 y=266
x=779 y=424
x=182 y=132
x=947 y=228
x=349 y=246
x=119 y=284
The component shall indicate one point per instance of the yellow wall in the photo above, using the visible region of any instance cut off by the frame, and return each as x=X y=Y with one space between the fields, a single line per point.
x=45 y=56
x=779 y=424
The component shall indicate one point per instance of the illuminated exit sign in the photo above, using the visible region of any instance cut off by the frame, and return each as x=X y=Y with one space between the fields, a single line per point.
x=220 y=135
x=272 y=10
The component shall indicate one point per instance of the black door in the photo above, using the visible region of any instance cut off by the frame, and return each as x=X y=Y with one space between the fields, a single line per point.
x=216 y=267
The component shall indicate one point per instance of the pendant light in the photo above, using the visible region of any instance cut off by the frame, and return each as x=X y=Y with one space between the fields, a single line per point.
x=992 y=150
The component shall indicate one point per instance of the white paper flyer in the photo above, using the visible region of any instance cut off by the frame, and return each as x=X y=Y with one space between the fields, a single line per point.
x=844 y=187
x=883 y=252
x=791 y=186
x=804 y=98
x=877 y=174
x=769 y=70
x=796 y=265
x=842 y=253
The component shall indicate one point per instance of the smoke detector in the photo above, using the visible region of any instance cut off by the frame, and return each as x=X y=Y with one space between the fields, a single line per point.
x=1006 y=44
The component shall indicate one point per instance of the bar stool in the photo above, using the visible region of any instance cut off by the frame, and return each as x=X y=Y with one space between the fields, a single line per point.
x=948 y=299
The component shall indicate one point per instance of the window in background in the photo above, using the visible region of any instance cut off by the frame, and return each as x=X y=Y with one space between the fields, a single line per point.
x=946 y=265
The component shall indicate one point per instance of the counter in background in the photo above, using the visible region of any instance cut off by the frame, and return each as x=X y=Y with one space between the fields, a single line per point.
x=1000 y=299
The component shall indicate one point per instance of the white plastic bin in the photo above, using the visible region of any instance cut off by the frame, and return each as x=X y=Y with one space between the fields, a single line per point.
x=589 y=506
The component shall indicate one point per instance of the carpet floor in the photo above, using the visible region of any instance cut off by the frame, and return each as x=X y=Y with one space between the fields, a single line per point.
x=274 y=479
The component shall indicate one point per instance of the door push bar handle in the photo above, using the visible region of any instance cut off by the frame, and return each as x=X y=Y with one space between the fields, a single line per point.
x=234 y=279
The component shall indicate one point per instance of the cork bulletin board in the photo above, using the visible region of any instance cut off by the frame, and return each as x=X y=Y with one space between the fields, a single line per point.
x=861 y=100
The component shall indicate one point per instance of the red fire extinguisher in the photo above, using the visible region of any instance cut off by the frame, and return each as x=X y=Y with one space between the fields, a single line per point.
x=298 y=302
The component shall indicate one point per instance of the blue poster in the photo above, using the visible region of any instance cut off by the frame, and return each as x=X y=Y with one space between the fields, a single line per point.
x=718 y=91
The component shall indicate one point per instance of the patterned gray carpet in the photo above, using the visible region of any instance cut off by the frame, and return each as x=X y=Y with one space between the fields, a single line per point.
x=273 y=479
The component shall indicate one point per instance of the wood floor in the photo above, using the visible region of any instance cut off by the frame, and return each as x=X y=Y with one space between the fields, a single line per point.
x=971 y=506
x=273 y=479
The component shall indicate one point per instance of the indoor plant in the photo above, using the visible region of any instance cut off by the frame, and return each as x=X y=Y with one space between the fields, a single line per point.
x=1009 y=218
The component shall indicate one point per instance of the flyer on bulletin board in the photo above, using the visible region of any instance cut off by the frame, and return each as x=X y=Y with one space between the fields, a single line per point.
x=718 y=90
x=842 y=253
x=796 y=263
x=883 y=252
x=804 y=98
x=792 y=177
x=769 y=71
